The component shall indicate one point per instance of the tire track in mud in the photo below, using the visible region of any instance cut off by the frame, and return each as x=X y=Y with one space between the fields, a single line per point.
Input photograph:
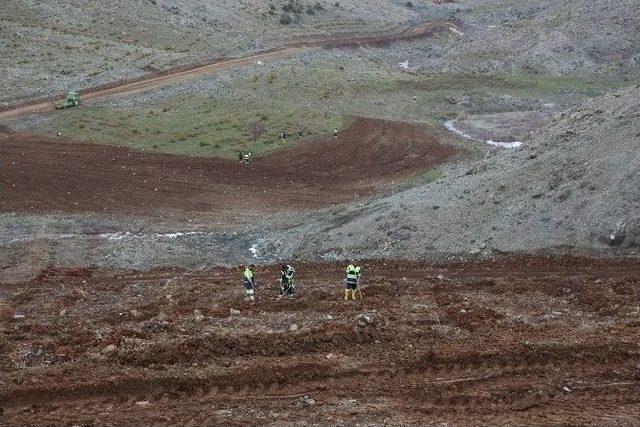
x=294 y=47
x=427 y=377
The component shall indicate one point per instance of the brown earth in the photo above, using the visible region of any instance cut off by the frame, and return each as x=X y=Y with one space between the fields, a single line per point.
x=48 y=175
x=512 y=341
x=181 y=74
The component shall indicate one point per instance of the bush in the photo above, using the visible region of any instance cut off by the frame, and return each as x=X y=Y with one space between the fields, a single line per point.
x=285 y=18
x=311 y=10
x=294 y=6
x=319 y=7
x=409 y=4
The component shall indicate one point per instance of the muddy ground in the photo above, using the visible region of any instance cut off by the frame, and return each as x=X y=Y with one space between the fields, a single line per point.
x=513 y=341
x=48 y=175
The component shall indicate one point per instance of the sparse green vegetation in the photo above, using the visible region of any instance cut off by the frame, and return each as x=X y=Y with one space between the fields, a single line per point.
x=317 y=100
x=293 y=10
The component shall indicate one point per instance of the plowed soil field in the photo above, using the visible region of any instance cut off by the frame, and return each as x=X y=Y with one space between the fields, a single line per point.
x=513 y=341
x=47 y=175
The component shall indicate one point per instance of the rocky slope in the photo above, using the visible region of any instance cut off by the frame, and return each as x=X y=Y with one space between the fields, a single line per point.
x=574 y=184
x=549 y=37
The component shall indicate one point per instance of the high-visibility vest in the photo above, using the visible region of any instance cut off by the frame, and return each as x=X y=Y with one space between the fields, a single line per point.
x=248 y=274
x=353 y=272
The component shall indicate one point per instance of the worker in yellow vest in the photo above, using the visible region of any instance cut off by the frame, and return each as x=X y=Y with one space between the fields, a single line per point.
x=249 y=283
x=353 y=275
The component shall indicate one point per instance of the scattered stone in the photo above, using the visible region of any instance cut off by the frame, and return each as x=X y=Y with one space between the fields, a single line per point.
x=293 y=327
x=6 y=312
x=233 y=312
x=137 y=314
x=328 y=317
x=567 y=389
x=307 y=401
x=364 y=320
x=198 y=316
x=143 y=403
x=63 y=312
x=111 y=348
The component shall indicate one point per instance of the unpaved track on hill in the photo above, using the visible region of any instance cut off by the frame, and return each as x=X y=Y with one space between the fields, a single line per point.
x=477 y=344
x=48 y=175
x=183 y=74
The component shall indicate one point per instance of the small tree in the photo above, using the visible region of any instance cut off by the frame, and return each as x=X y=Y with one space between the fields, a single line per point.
x=256 y=129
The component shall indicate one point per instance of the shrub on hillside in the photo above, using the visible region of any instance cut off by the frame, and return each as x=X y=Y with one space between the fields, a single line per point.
x=293 y=6
x=285 y=18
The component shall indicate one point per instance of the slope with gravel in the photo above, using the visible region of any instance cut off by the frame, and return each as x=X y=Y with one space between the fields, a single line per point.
x=573 y=186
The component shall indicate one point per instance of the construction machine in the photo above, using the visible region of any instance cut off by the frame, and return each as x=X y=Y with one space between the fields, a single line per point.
x=71 y=100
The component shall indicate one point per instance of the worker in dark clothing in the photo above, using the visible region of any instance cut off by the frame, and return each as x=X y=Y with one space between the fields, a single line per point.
x=286 y=281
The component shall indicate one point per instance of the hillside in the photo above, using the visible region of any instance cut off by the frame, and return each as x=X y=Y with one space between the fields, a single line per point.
x=574 y=185
x=55 y=46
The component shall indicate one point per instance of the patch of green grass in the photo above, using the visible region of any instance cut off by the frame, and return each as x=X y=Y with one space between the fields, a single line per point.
x=431 y=175
x=196 y=126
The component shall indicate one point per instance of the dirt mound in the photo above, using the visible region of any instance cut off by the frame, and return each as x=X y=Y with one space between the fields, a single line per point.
x=505 y=342
x=43 y=175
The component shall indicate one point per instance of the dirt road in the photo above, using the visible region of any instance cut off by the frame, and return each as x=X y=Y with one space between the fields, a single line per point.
x=49 y=175
x=182 y=74
x=514 y=341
